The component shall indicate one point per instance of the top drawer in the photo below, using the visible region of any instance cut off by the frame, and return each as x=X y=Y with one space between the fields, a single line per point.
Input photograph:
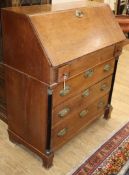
x=75 y=85
x=81 y=64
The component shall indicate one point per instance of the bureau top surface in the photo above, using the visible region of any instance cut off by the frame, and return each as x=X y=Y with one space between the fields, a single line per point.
x=64 y=35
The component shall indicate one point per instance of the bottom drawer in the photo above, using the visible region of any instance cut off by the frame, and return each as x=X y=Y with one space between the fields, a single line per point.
x=66 y=129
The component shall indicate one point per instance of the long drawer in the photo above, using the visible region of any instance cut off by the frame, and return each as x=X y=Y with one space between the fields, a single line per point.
x=86 y=96
x=84 y=115
x=84 y=80
x=86 y=61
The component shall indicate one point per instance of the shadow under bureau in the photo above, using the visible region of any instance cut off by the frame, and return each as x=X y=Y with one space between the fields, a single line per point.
x=60 y=64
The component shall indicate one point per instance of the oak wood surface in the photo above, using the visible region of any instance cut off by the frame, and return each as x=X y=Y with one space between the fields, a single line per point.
x=43 y=43
x=70 y=40
x=27 y=113
x=29 y=57
x=75 y=123
x=85 y=82
x=95 y=92
x=81 y=64
x=15 y=159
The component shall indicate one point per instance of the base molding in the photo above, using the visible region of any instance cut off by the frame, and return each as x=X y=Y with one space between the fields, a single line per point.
x=46 y=158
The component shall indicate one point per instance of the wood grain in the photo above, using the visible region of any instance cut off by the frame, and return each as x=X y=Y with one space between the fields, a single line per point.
x=35 y=46
x=27 y=113
x=85 y=82
x=95 y=92
x=94 y=111
x=15 y=159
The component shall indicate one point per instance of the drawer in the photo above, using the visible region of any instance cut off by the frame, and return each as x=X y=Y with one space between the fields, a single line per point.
x=86 y=96
x=65 y=130
x=83 y=63
x=81 y=82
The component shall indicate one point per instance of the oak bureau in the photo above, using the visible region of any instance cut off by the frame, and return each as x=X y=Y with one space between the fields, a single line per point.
x=60 y=63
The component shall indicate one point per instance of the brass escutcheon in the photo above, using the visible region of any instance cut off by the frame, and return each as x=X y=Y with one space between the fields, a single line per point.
x=107 y=67
x=89 y=73
x=104 y=87
x=79 y=13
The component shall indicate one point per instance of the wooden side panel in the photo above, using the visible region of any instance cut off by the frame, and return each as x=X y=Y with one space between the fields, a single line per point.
x=22 y=50
x=27 y=108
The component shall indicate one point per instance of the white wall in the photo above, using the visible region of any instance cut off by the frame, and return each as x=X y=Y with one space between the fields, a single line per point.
x=110 y=2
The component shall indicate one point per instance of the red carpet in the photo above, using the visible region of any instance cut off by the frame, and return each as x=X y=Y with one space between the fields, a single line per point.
x=110 y=157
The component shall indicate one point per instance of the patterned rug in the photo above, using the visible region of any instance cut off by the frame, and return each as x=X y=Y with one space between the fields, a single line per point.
x=110 y=157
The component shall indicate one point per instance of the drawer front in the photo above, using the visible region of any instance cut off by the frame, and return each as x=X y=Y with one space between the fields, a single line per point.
x=81 y=82
x=62 y=132
x=87 y=96
x=83 y=63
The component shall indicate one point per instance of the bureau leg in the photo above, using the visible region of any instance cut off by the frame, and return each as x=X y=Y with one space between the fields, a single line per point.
x=108 y=110
x=109 y=107
x=12 y=138
x=48 y=160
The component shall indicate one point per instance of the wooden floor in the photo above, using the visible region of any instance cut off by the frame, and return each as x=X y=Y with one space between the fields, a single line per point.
x=17 y=160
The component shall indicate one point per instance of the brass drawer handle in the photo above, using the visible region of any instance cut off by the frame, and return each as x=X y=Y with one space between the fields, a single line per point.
x=107 y=67
x=101 y=104
x=65 y=91
x=86 y=93
x=83 y=113
x=62 y=132
x=64 y=112
x=89 y=73
x=104 y=87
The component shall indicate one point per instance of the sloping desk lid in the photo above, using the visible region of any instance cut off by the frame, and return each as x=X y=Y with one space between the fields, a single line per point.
x=65 y=37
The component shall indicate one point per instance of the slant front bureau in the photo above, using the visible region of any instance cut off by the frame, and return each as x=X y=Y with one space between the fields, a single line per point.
x=60 y=64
